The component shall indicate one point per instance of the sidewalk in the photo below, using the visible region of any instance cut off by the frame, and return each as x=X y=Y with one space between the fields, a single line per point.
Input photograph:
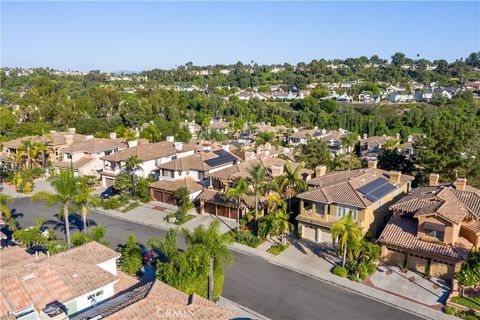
x=240 y=311
x=326 y=276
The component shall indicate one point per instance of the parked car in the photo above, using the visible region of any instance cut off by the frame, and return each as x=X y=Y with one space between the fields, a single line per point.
x=108 y=193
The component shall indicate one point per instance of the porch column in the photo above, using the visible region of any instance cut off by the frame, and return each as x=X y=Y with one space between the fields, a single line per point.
x=302 y=209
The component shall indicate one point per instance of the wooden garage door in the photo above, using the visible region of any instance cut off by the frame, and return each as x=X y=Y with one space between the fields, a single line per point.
x=169 y=198
x=222 y=211
x=418 y=264
x=442 y=270
x=209 y=208
x=309 y=233
x=109 y=182
x=394 y=258
x=233 y=213
x=158 y=195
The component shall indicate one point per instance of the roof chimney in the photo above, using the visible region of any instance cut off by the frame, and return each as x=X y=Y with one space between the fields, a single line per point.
x=113 y=135
x=68 y=139
x=372 y=164
x=395 y=177
x=249 y=155
x=461 y=183
x=226 y=147
x=277 y=170
x=320 y=171
x=433 y=179
x=365 y=136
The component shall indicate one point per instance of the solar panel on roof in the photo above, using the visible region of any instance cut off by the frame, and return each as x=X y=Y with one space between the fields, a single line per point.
x=371 y=186
x=223 y=158
x=381 y=192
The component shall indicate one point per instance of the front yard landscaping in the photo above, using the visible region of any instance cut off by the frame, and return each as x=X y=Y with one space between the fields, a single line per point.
x=278 y=248
x=471 y=302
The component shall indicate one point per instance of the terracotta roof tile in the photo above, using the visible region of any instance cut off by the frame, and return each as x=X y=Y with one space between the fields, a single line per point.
x=402 y=232
x=173 y=185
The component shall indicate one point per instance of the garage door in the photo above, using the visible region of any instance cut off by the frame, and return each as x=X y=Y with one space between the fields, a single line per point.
x=309 y=233
x=222 y=211
x=157 y=195
x=418 y=264
x=442 y=270
x=394 y=258
x=109 y=182
x=209 y=208
x=324 y=236
x=163 y=196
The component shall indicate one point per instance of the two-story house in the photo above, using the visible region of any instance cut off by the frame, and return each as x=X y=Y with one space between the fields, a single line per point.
x=150 y=154
x=213 y=201
x=366 y=193
x=370 y=147
x=433 y=228
x=190 y=172
x=84 y=157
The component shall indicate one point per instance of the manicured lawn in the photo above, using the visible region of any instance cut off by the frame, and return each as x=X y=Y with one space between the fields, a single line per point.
x=188 y=217
x=131 y=206
x=471 y=302
x=278 y=248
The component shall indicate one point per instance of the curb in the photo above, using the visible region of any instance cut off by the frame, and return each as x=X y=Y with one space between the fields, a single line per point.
x=371 y=293
x=257 y=316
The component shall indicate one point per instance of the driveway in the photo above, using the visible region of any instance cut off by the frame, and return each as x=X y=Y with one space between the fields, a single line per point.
x=205 y=219
x=322 y=256
x=410 y=285
x=39 y=185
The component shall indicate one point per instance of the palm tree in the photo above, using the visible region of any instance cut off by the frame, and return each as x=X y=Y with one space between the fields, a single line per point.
x=215 y=243
x=4 y=199
x=40 y=149
x=132 y=165
x=67 y=187
x=350 y=236
x=27 y=147
x=258 y=174
x=84 y=201
x=237 y=191
x=291 y=182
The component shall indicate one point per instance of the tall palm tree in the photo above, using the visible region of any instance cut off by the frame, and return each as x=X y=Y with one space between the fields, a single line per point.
x=27 y=147
x=258 y=175
x=4 y=210
x=350 y=236
x=40 y=150
x=67 y=187
x=84 y=202
x=291 y=183
x=236 y=192
x=132 y=165
x=217 y=245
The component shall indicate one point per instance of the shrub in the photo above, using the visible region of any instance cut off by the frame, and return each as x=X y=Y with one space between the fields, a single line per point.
x=114 y=203
x=131 y=260
x=181 y=215
x=247 y=238
x=449 y=310
x=278 y=248
x=340 y=271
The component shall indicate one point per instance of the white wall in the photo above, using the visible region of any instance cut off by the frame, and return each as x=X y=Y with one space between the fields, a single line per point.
x=109 y=266
x=83 y=302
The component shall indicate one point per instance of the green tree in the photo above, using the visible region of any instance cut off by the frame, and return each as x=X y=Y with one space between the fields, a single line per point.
x=96 y=234
x=131 y=260
x=314 y=154
x=182 y=196
x=4 y=209
x=84 y=202
x=216 y=244
x=237 y=191
x=257 y=179
x=67 y=187
x=349 y=237
x=290 y=182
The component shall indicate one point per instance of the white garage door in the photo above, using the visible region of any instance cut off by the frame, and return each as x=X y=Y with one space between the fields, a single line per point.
x=325 y=236
x=308 y=233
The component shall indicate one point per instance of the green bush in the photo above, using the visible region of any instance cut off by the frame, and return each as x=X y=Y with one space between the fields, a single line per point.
x=340 y=271
x=247 y=238
x=449 y=310
x=131 y=206
x=278 y=248
x=114 y=203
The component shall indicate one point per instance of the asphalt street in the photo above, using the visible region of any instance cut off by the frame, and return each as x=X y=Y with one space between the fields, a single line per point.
x=271 y=290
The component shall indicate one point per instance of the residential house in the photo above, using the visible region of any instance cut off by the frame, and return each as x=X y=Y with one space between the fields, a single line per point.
x=190 y=172
x=401 y=96
x=58 y=286
x=219 y=125
x=84 y=283
x=366 y=193
x=472 y=85
x=55 y=141
x=213 y=201
x=370 y=147
x=368 y=98
x=433 y=228
x=344 y=98
x=84 y=157
x=408 y=147
x=150 y=154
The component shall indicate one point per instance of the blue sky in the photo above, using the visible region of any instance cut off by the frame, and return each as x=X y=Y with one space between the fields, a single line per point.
x=113 y=36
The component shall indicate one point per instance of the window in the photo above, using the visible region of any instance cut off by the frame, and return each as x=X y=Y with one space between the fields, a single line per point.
x=167 y=173
x=344 y=211
x=320 y=208
x=201 y=175
x=440 y=235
